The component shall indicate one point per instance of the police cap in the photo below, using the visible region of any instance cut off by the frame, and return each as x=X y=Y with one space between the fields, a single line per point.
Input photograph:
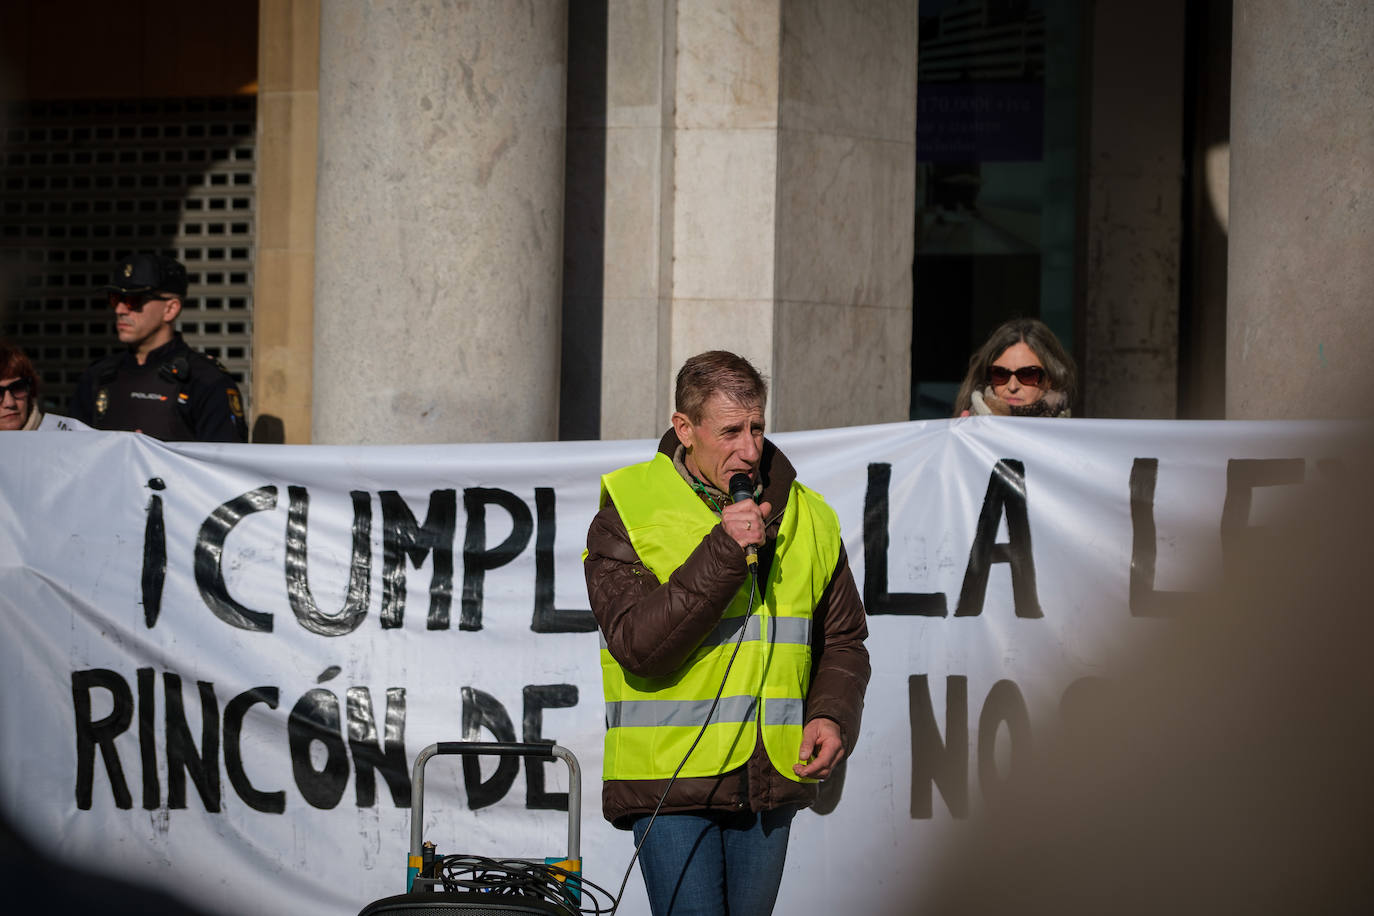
x=147 y=273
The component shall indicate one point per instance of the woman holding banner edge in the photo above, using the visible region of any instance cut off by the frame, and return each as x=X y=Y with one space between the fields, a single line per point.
x=18 y=390
x=1022 y=370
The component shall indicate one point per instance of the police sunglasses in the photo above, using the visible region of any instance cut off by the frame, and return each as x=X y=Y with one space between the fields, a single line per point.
x=136 y=301
x=1026 y=375
x=20 y=389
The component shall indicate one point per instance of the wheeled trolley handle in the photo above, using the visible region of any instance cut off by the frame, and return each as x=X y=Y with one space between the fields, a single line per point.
x=490 y=749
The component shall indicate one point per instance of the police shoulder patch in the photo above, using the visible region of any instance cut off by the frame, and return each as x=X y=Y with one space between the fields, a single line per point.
x=212 y=360
x=235 y=404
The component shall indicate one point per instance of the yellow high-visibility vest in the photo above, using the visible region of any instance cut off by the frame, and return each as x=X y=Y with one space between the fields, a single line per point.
x=651 y=722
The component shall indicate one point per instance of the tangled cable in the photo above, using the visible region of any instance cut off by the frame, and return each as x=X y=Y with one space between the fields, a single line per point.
x=524 y=880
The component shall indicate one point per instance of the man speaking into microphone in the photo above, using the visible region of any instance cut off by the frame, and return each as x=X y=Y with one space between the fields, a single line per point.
x=733 y=661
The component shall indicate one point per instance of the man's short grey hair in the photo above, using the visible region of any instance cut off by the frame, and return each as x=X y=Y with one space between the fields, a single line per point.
x=718 y=371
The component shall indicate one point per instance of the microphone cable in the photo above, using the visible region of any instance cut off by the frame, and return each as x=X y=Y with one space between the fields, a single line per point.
x=739 y=641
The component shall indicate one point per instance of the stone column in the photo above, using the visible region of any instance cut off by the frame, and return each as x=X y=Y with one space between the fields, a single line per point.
x=725 y=180
x=748 y=174
x=637 y=377
x=1300 y=304
x=794 y=176
x=439 y=220
x=846 y=185
x=618 y=245
x=284 y=269
x=1135 y=195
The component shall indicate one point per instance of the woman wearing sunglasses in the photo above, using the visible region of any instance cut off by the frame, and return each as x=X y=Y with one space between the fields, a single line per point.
x=1021 y=371
x=18 y=390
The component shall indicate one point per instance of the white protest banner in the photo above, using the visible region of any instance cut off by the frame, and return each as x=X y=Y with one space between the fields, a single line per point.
x=221 y=660
x=52 y=422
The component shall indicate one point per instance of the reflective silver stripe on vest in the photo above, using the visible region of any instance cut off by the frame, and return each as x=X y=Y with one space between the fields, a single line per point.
x=794 y=631
x=781 y=711
x=651 y=713
x=728 y=630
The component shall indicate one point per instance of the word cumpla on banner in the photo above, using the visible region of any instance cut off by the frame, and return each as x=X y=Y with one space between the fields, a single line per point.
x=221 y=660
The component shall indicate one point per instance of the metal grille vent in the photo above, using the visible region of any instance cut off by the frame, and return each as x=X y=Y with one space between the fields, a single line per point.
x=85 y=183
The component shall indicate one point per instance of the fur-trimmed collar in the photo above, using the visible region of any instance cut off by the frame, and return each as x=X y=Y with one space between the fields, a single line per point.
x=987 y=404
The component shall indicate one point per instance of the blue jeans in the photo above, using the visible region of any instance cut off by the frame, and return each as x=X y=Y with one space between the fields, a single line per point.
x=712 y=864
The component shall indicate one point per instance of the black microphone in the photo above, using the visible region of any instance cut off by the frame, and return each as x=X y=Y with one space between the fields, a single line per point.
x=742 y=488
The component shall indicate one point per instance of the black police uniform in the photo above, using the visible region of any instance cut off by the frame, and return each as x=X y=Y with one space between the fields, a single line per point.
x=177 y=395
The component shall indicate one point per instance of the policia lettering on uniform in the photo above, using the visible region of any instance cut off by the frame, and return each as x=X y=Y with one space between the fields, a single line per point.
x=156 y=384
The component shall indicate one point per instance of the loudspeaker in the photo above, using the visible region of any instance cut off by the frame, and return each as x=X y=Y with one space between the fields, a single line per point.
x=462 y=903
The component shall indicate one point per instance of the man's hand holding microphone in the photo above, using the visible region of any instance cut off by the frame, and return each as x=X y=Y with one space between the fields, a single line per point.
x=744 y=519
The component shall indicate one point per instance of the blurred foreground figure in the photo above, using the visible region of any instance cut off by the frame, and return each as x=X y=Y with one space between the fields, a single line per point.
x=39 y=883
x=1225 y=768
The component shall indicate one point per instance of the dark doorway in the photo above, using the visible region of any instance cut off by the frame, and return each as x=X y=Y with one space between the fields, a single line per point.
x=998 y=159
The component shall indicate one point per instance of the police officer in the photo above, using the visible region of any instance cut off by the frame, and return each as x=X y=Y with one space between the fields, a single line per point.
x=157 y=385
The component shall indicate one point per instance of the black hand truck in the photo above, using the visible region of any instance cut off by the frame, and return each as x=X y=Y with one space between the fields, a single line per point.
x=430 y=888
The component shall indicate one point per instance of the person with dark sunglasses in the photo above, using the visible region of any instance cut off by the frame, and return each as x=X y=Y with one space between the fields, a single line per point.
x=1022 y=370
x=18 y=390
x=156 y=383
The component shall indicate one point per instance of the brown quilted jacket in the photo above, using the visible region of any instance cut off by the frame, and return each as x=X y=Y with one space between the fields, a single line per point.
x=651 y=629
